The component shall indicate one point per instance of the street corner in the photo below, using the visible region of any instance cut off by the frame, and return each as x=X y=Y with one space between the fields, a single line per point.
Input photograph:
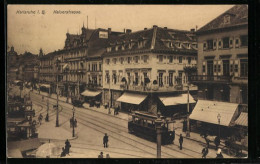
x=47 y=130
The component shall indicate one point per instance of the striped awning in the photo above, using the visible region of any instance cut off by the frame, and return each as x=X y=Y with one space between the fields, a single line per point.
x=208 y=111
x=132 y=98
x=176 y=100
x=242 y=119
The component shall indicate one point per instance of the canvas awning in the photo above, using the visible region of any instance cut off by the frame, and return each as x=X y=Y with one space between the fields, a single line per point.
x=45 y=85
x=14 y=153
x=24 y=145
x=90 y=93
x=176 y=100
x=207 y=111
x=242 y=119
x=132 y=98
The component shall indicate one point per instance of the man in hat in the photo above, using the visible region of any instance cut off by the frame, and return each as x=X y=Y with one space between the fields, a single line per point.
x=105 y=140
x=181 y=141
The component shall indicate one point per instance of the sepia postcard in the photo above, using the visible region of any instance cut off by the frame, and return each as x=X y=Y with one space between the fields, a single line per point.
x=127 y=81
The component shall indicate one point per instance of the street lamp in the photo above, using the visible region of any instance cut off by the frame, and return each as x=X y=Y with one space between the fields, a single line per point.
x=57 y=107
x=67 y=86
x=158 y=125
x=73 y=123
x=219 y=117
x=47 y=116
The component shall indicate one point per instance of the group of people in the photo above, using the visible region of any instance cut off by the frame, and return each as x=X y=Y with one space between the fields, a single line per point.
x=101 y=155
x=40 y=119
x=66 y=150
x=73 y=122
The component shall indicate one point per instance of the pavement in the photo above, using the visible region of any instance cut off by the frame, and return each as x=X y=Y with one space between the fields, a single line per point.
x=51 y=133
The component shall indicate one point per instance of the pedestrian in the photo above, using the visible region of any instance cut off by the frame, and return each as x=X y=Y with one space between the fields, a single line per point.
x=217 y=142
x=107 y=156
x=63 y=154
x=207 y=142
x=75 y=122
x=117 y=110
x=205 y=151
x=100 y=155
x=105 y=140
x=67 y=147
x=219 y=154
x=181 y=141
x=173 y=136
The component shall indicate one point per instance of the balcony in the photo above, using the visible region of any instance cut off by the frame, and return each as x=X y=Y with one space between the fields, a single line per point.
x=240 y=80
x=156 y=88
x=206 y=78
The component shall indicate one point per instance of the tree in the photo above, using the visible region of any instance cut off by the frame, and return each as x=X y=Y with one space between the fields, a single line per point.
x=190 y=70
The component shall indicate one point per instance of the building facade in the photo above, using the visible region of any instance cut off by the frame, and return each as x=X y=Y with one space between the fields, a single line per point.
x=140 y=68
x=78 y=65
x=222 y=78
x=223 y=57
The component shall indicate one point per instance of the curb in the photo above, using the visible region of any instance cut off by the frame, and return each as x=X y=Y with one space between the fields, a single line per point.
x=86 y=108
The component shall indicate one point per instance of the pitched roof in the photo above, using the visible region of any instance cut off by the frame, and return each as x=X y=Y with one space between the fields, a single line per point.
x=155 y=37
x=238 y=16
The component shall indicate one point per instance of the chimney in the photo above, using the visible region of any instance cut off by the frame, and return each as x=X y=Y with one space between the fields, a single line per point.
x=192 y=30
x=128 y=31
x=165 y=28
x=109 y=30
x=124 y=30
x=145 y=28
x=154 y=26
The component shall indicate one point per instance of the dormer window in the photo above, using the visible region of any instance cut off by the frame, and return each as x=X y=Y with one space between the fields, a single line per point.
x=108 y=49
x=227 y=19
x=116 y=48
x=130 y=46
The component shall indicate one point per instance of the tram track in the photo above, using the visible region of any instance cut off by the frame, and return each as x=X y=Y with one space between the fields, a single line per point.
x=116 y=135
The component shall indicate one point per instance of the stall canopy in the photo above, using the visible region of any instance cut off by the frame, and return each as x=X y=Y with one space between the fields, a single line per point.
x=45 y=85
x=242 y=119
x=24 y=145
x=90 y=93
x=207 y=111
x=132 y=98
x=176 y=100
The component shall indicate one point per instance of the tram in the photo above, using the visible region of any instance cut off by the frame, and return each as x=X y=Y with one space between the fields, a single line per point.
x=142 y=124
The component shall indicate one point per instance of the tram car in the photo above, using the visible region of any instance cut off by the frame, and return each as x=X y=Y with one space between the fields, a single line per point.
x=77 y=102
x=142 y=125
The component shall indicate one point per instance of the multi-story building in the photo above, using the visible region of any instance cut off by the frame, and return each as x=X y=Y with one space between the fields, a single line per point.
x=12 y=65
x=222 y=78
x=144 y=70
x=80 y=63
x=223 y=57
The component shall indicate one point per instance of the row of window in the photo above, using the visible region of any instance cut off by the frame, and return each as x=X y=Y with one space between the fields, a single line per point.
x=129 y=60
x=145 y=59
x=170 y=58
x=139 y=44
x=180 y=45
x=228 y=68
x=226 y=42
x=137 y=78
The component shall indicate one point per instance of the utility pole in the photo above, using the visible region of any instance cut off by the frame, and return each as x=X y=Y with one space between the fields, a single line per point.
x=109 y=92
x=73 y=123
x=57 y=107
x=188 y=111
x=158 y=125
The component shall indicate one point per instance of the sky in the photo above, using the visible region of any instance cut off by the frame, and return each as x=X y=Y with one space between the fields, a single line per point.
x=32 y=31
